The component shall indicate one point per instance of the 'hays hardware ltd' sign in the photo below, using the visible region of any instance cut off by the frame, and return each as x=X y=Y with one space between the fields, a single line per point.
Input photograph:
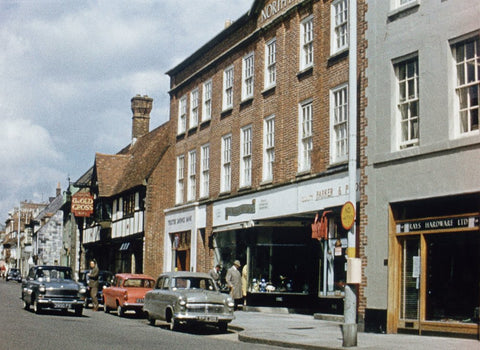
x=82 y=204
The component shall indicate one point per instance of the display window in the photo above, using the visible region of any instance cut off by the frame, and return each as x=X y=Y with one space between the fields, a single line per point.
x=437 y=271
x=274 y=259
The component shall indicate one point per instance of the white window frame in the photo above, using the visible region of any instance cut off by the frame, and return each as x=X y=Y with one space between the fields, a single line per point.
x=339 y=124
x=305 y=135
x=400 y=3
x=408 y=102
x=207 y=101
x=192 y=175
x=205 y=171
x=339 y=26
x=194 y=99
x=226 y=159
x=180 y=187
x=306 y=43
x=248 y=74
x=270 y=63
x=182 y=115
x=228 y=79
x=246 y=156
x=268 y=148
x=467 y=84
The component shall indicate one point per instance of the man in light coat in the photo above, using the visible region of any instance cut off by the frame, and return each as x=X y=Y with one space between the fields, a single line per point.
x=234 y=282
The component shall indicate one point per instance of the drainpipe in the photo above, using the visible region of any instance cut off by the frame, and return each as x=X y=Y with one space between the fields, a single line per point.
x=350 y=304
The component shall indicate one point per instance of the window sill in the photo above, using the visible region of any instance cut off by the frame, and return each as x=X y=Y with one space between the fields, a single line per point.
x=403 y=10
x=226 y=112
x=304 y=72
x=338 y=55
x=269 y=90
x=303 y=173
x=246 y=101
x=245 y=188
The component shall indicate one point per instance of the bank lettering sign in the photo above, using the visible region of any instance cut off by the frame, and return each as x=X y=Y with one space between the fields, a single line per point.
x=439 y=224
x=275 y=7
x=82 y=204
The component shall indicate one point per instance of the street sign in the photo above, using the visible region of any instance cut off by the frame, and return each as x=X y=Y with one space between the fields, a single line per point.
x=347 y=215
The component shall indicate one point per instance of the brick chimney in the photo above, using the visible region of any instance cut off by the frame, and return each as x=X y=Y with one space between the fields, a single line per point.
x=59 y=190
x=141 y=108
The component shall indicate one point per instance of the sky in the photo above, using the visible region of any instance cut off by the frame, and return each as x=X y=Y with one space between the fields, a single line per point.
x=68 y=70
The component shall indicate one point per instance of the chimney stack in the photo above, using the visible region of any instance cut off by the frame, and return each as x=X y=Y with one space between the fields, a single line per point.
x=59 y=189
x=141 y=108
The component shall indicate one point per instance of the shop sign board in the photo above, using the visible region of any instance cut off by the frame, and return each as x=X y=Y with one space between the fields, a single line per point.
x=438 y=224
x=82 y=204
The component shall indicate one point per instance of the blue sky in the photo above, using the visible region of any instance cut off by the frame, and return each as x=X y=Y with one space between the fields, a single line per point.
x=68 y=70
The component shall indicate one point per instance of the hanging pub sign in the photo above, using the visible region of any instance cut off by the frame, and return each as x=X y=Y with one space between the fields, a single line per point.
x=82 y=204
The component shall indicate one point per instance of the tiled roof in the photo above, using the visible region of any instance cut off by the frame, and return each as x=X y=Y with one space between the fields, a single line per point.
x=132 y=165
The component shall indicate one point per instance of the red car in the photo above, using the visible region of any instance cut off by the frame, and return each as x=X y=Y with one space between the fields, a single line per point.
x=127 y=292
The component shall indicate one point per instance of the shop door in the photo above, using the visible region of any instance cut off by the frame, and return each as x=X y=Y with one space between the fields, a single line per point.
x=410 y=282
x=181 y=250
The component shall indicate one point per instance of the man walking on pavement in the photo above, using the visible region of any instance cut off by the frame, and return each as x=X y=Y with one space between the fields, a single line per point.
x=93 y=283
x=234 y=282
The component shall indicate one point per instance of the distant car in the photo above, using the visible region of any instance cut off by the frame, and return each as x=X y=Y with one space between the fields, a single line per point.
x=104 y=280
x=14 y=275
x=127 y=292
x=188 y=298
x=52 y=287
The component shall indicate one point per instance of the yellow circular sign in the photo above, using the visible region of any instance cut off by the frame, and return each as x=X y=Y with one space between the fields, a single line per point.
x=347 y=215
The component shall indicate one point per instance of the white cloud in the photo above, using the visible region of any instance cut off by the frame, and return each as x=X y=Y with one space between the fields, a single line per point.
x=69 y=69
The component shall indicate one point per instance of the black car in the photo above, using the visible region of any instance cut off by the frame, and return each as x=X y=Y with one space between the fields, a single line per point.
x=52 y=287
x=104 y=280
x=14 y=275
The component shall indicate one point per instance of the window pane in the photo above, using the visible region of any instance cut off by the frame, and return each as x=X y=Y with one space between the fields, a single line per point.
x=460 y=74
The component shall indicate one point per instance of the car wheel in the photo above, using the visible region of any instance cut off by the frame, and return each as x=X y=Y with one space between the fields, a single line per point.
x=26 y=305
x=223 y=327
x=36 y=307
x=106 y=309
x=174 y=324
x=151 y=320
x=120 y=311
x=78 y=311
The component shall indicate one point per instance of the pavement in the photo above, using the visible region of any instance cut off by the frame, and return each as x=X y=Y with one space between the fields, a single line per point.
x=307 y=332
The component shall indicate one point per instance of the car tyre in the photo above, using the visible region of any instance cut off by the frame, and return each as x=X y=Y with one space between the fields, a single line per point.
x=223 y=327
x=78 y=311
x=120 y=311
x=36 y=307
x=174 y=324
x=151 y=320
x=106 y=309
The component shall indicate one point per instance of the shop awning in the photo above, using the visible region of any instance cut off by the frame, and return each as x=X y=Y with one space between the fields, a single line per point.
x=124 y=246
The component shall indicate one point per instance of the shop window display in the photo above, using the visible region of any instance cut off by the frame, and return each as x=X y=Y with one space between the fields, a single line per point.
x=277 y=259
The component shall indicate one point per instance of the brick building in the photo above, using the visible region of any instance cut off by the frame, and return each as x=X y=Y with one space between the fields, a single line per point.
x=260 y=116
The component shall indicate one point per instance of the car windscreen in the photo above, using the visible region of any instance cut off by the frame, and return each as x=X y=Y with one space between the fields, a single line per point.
x=193 y=283
x=54 y=274
x=139 y=283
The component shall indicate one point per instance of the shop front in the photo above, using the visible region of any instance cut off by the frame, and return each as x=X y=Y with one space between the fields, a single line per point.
x=270 y=232
x=181 y=228
x=435 y=274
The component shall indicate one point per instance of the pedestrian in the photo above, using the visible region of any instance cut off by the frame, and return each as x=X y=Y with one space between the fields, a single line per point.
x=93 y=283
x=234 y=282
x=245 y=279
x=215 y=274
x=3 y=269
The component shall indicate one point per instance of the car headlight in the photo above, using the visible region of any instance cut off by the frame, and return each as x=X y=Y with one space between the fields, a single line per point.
x=42 y=289
x=82 y=290
x=230 y=303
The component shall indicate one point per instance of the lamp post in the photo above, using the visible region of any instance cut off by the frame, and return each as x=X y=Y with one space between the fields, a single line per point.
x=19 y=217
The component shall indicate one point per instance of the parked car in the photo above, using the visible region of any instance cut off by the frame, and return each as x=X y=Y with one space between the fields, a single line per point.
x=184 y=298
x=14 y=275
x=127 y=292
x=104 y=280
x=52 y=287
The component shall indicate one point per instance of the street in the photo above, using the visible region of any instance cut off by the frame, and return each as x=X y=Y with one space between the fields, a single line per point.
x=21 y=329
